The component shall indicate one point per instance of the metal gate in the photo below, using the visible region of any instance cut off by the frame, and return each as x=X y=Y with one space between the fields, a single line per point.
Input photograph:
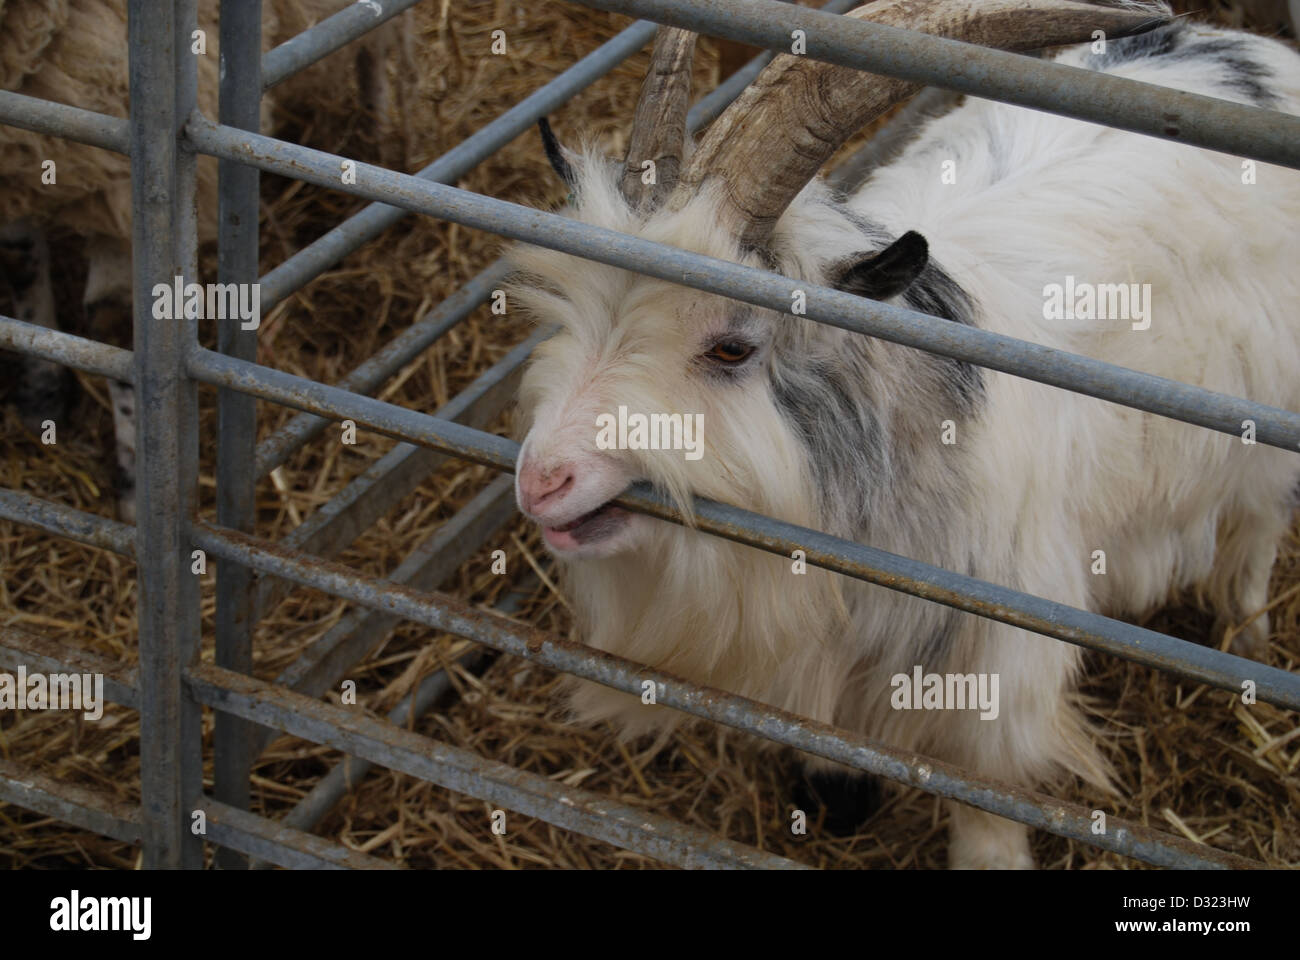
x=169 y=687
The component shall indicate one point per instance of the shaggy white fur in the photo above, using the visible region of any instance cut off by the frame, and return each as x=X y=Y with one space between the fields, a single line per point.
x=1038 y=479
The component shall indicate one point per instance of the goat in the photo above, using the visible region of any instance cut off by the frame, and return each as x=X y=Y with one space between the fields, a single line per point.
x=832 y=430
x=74 y=51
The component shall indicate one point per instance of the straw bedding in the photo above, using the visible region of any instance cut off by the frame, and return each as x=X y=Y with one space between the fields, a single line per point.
x=1191 y=760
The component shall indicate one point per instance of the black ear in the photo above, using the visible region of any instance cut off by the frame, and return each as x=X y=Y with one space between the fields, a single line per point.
x=888 y=273
x=555 y=153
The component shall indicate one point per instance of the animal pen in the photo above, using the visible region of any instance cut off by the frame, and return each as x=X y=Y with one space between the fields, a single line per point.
x=170 y=686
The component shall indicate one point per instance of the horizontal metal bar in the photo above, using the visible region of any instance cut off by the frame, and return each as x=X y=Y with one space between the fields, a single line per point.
x=67 y=522
x=350 y=771
x=314 y=259
x=77 y=352
x=1131 y=388
x=370 y=495
x=1091 y=630
x=80 y=806
x=442 y=612
x=282 y=845
x=279 y=446
x=61 y=120
x=315 y=43
x=467 y=773
x=1107 y=99
x=330 y=657
x=42 y=655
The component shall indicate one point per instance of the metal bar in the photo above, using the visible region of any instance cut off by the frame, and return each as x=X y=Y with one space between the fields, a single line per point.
x=1106 y=99
x=330 y=657
x=1213 y=667
x=891 y=139
x=442 y=612
x=465 y=772
x=237 y=263
x=247 y=833
x=69 y=522
x=167 y=454
x=350 y=771
x=712 y=104
x=337 y=523
x=43 y=655
x=78 y=352
x=80 y=806
x=1131 y=388
x=318 y=42
x=279 y=446
x=61 y=120
x=314 y=259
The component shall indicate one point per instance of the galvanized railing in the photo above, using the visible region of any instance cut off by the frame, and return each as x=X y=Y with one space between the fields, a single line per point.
x=170 y=686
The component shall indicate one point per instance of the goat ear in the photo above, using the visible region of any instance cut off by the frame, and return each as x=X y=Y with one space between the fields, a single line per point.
x=556 y=153
x=888 y=273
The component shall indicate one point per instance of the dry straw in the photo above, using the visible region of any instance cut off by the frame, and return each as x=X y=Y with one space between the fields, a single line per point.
x=1189 y=760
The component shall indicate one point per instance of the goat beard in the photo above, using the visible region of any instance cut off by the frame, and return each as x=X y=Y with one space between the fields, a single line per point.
x=715 y=613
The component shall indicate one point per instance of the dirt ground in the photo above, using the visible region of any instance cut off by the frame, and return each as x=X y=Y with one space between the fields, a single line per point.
x=1191 y=760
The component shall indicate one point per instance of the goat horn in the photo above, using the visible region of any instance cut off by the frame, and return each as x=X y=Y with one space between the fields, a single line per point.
x=659 y=126
x=775 y=137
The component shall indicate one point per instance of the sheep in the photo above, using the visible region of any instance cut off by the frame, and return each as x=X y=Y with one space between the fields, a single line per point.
x=75 y=52
x=994 y=476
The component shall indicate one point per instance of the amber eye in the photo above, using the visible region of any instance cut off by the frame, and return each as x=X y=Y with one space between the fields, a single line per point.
x=729 y=351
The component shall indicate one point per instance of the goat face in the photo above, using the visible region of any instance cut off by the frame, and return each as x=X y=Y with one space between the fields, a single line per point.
x=639 y=364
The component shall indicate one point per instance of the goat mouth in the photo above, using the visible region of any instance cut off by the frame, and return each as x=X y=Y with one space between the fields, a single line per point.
x=593 y=526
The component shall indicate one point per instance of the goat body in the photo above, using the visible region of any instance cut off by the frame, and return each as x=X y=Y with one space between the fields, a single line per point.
x=980 y=472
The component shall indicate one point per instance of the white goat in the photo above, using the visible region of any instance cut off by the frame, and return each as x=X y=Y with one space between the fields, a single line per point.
x=836 y=431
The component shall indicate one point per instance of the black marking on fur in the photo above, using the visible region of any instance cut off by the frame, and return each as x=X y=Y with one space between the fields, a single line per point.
x=939 y=295
x=1172 y=43
x=555 y=153
x=849 y=800
x=842 y=435
x=934 y=292
x=1154 y=43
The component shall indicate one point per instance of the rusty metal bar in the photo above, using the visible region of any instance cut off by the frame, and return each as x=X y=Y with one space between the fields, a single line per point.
x=238 y=202
x=247 y=833
x=80 y=806
x=41 y=654
x=67 y=522
x=77 y=352
x=167 y=451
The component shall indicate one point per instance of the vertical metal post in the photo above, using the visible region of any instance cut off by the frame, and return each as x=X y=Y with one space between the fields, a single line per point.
x=161 y=80
x=237 y=209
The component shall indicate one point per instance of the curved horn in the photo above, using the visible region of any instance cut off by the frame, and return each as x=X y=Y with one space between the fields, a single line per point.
x=659 y=127
x=775 y=137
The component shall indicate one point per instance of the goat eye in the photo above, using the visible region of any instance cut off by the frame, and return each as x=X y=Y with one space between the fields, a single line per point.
x=729 y=351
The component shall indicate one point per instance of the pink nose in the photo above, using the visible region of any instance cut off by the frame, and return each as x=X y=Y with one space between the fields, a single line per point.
x=539 y=490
